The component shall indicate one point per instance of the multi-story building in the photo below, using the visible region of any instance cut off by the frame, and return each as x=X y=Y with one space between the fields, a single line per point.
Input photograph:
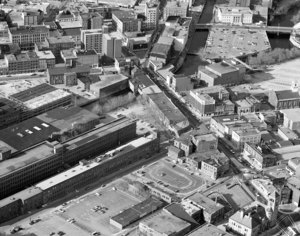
x=222 y=73
x=291 y=118
x=26 y=62
x=235 y=15
x=39 y=99
x=151 y=14
x=46 y=59
x=26 y=37
x=43 y=160
x=10 y=112
x=285 y=99
x=258 y=156
x=88 y=57
x=242 y=136
x=213 y=164
x=79 y=176
x=164 y=224
x=68 y=19
x=126 y=21
x=248 y=104
x=4 y=30
x=111 y=45
x=175 y=9
x=212 y=100
x=208 y=229
x=92 y=39
x=202 y=208
x=246 y=223
x=56 y=44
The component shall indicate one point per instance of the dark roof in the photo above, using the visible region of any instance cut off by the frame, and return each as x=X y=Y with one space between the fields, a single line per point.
x=63 y=70
x=177 y=210
x=64 y=118
x=160 y=50
x=170 y=111
x=33 y=92
x=124 y=15
x=72 y=31
x=7 y=106
x=139 y=210
x=30 y=30
x=287 y=94
x=86 y=53
x=27 y=133
x=142 y=78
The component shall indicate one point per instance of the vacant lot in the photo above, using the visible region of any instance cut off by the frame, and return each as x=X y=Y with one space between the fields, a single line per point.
x=173 y=178
x=279 y=77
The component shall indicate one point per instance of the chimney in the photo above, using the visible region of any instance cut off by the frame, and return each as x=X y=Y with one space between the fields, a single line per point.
x=242 y=213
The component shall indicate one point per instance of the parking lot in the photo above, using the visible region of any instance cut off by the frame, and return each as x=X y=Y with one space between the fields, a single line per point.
x=78 y=216
x=172 y=177
x=87 y=218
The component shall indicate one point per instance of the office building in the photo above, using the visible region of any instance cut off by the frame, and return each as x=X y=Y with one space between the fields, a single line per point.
x=235 y=15
x=26 y=62
x=68 y=19
x=112 y=46
x=126 y=21
x=56 y=44
x=202 y=208
x=79 y=176
x=26 y=37
x=259 y=157
x=46 y=59
x=291 y=118
x=92 y=39
x=222 y=73
x=109 y=85
x=175 y=9
x=242 y=136
x=60 y=75
x=44 y=159
x=212 y=100
x=151 y=14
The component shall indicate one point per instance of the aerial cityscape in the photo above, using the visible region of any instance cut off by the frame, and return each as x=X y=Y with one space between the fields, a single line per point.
x=150 y=117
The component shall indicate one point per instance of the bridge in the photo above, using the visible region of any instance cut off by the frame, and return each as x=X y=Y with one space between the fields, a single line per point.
x=270 y=29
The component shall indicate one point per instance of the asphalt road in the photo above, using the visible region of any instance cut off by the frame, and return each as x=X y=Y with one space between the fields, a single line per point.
x=180 y=105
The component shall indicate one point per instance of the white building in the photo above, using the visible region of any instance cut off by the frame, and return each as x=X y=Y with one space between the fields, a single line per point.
x=235 y=16
x=251 y=135
x=176 y=9
x=151 y=13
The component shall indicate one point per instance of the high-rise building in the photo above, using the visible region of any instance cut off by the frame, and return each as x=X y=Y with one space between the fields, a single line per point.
x=126 y=21
x=96 y=21
x=92 y=39
x=111 y=46
x=151 y=14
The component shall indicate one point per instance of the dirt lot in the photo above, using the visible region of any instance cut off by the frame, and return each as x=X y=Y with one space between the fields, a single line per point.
x=173 y=178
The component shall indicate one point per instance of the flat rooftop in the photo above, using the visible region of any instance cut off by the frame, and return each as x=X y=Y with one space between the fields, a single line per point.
x=7 y=106
x=26 y=134
x=287 y=153
x=134 y=213
x=167 y=107
x=80 y=169
x=100 y=131
x=45 y=54
x=235 y=42
x=292 y=114
x=246 y=132
x=38 y=153
x=63 y=118
x=209 y=230
x=166 y=223
x=29 y=30
x=211 y=89
x=205 y=203
x=60 y=39
x=221 y=68
x=108 y=80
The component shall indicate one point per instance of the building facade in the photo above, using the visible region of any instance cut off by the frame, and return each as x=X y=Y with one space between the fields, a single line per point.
x=92 y=39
